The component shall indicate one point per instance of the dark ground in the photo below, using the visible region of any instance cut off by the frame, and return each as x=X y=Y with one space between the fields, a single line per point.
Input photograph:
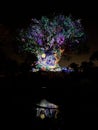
x=76 y=96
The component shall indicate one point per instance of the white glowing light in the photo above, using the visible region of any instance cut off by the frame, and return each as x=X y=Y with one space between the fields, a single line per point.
x=46 y=109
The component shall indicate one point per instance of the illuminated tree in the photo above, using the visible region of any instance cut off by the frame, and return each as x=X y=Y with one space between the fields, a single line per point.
x=49 y=38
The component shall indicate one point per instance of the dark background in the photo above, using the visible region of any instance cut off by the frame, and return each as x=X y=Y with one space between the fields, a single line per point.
x=16 y=12
x=79 y=105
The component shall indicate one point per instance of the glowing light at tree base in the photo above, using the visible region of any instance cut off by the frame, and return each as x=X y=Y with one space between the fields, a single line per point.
x=47 y=62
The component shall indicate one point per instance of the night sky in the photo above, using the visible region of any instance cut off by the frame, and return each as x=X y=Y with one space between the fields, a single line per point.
x=16 y=12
